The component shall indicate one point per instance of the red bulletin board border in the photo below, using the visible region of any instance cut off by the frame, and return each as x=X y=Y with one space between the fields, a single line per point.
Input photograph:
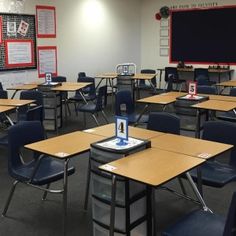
x=51 y=8
x=46 y=48
x=32 y=63
x=0 y=29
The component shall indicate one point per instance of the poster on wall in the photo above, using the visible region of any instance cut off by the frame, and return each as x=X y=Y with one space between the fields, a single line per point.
x=19 y=53
x=11 y=28
x=23 y=28
x=46 y=21
x=0 y=29
x=47 y=60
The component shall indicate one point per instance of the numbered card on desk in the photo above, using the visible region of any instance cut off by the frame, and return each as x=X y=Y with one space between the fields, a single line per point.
x=192 y=88
x=122 y=127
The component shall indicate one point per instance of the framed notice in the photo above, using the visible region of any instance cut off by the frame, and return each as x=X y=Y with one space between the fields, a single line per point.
x=19 y=53
x=121 y=129
x=46 y=21
x=47 y=60
x=0 y=29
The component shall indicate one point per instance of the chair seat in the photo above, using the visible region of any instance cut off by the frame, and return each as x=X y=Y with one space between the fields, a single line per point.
x=78 y=98
x=197 y=223
x=228 y=116
x=132 y=118
x=49 y=170
x=89 y=107
x=215 y=174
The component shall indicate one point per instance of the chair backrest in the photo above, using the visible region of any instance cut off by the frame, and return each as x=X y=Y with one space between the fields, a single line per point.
x=206 y=89
x=149 y=71
x=90 y=89
x=81 y=75
x=164 y=122
x=230 y=223
x=35 y=113
x=32 y=95
x=201 y=72
x=223 y=132
x=3 y=94
x=1 y=88
x=101 y=98
x=171 y=72
x=124 y=98
x=59 y=79
x=19 y=135
x=232 y=92
x=202 y=80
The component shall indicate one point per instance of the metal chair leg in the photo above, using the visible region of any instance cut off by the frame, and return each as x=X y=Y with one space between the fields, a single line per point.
x=9 y=198
x=105 y=117
x=45 y=192
x=94 y=117
x=182 y=186
x=87 y=186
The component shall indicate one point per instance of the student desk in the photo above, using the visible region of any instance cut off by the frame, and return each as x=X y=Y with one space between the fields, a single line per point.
x=65 y=147
x=213 y=105
x=221 y=97
x=4 y=110
x=151 y=167
x=109 y=130
x=71 y=87
x=163 y=100
x=15 y=102
x=22 y=87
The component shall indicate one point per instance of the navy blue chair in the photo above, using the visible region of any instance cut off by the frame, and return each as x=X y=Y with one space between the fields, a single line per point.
x=23 y=112
x=172 y=77
x=64 y=95
x=89 y=92
x=95 y=107
x=3 y=94
x=124 y=106
x=206 y=89
x=215 y=173
x=164 y=122
x=40 y=170
x=204 y=223
x=201 y=76
x=142 y=85
x=230 y=115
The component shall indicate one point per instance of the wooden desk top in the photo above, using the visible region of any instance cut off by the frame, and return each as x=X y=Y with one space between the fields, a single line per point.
x=174 y=94
x=66 y=145
x=24 y=87
x=153 y=166
x=6 y=108
x=70 y=86
x=109 y=131
x=222 y=98
x=143 y=76
x=15 y=102
x=158 y=99
x=216 y=105
x=190 y=146
x=230 y=83
x=108 y=75
x=138 y=76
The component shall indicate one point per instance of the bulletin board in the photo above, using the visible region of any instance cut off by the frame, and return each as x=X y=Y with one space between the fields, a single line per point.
x=17 y=42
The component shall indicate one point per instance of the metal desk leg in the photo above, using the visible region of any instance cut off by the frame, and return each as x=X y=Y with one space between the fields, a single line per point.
x=9 y=119
x=197 y=129
x=151 y=216
x=199 y=180
x=195 y=189
x=65 y=183
x=113 y=205
x=13 y=95
x=141 y=114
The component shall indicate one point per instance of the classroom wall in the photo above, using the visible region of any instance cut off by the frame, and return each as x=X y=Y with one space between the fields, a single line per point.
x=92 y=36
x=150 y=29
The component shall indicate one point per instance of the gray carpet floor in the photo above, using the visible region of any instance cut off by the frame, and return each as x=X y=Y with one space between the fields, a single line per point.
x=29 y=215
